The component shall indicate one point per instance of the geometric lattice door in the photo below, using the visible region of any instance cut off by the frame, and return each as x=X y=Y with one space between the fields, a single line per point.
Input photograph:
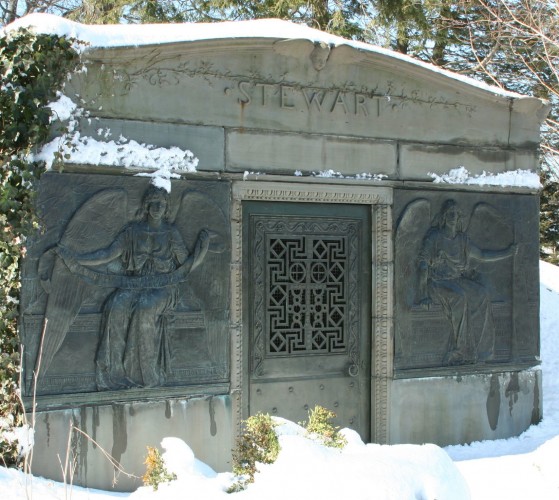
x=308 y=308
x=306 y=294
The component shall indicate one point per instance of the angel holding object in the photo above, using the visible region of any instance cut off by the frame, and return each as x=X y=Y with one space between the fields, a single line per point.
x=447 y=277
x=147 y=259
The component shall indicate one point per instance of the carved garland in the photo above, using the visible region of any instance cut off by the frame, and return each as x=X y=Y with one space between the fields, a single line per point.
x=155 y=74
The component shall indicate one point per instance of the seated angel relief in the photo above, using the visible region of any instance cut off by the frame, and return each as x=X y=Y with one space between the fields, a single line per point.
x=447 y=276
x=144 y=264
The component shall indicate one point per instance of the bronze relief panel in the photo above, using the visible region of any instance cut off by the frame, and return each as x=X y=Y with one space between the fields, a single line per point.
x=466 y=281
x=127 y=286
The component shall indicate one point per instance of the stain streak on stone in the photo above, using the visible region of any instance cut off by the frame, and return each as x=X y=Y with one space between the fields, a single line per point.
x=83 y=443
x=512 y=390
x=536 y=411
x=213 y=424
x=168 y=411
x=120 y=437
x=95 y=425
x=47 y=426
x=493 y=404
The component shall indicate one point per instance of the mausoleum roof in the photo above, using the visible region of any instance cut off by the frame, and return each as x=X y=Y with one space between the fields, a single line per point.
x=281 y=98
x=130 y=35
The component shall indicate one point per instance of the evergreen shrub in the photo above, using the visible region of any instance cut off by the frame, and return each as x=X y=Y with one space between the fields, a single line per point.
x=156 y=472
x=258 y=443
x=320 y=425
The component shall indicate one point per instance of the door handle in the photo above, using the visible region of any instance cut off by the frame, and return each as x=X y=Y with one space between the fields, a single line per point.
x=353 y=370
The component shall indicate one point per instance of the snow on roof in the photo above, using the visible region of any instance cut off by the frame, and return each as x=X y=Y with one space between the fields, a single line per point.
x=126 y=35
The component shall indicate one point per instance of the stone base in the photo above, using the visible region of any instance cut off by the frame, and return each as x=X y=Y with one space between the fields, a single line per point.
x=123 y=431
x=463 y=409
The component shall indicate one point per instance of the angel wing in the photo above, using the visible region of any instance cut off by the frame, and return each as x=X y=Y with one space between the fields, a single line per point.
x=94 y=225
x=485 y=223
x=199 y=212
x=489 y=229
x=411 y=228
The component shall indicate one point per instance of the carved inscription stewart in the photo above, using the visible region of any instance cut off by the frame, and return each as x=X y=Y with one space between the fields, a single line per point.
x=306 y=99
x=251 y=87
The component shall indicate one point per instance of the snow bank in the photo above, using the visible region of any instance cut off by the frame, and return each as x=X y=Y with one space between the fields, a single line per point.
x=23 y=437
x=306 y=469
x=517 y=476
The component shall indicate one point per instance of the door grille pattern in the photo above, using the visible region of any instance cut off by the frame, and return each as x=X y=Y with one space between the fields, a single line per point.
x=305 y=275
x=306 y=294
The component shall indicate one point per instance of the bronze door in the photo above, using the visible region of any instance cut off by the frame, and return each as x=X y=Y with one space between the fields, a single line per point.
x=307 y=269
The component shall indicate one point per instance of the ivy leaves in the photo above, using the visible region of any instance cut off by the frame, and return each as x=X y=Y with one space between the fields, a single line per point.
x=33 y=67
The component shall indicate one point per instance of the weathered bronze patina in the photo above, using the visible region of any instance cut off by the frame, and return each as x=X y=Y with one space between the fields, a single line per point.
x=125 y=268
x=466 y=281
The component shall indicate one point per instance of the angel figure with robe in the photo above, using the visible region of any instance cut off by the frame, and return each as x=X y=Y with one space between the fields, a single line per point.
x=141 y=263
x=447 y=276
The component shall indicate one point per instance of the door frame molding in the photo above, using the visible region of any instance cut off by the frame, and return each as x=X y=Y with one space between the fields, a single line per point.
x=380 y=201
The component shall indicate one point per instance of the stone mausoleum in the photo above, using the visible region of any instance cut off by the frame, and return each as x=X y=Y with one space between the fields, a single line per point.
x=309 y=259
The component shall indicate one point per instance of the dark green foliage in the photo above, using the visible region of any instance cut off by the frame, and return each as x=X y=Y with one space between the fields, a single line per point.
x=138 y=11
x=549 y=217
x=156 y=11
x=257 y=443
x=33 y=68
x=340 y=17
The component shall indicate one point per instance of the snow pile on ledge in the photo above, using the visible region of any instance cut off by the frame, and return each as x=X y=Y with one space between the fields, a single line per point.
x=332 y=174
x=130 y=154
x=63 y=109
x=515 y=178
x=72 y=146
